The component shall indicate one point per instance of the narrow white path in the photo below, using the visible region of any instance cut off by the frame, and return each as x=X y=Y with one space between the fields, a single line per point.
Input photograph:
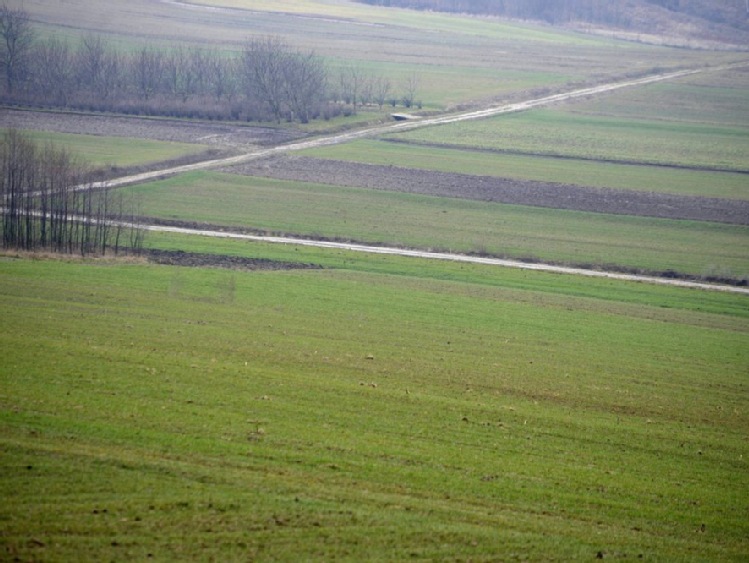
x=393 y=251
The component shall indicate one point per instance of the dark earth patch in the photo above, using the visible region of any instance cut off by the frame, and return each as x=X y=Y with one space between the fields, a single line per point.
x=191 y=259
x=500 y=190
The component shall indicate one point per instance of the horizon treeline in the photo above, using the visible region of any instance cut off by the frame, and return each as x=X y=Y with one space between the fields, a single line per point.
x=268 y=80
x=47 y=203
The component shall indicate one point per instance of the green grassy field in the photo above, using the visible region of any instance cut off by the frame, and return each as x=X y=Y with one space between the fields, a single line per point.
x=115 y=151
x=389 y=408
x=559 y=133
x=699 y=121
x=190 y=413
x=542 y=169
x=712 y=98
x=457 y=58
x=451 y=224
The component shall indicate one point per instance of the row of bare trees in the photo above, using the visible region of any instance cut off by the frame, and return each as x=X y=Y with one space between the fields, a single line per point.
x=268 y=80
x=46 y=203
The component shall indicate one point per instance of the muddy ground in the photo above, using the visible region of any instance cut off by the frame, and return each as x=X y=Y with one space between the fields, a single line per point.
x=501 y=190
x=223 y=135
x=192 y=259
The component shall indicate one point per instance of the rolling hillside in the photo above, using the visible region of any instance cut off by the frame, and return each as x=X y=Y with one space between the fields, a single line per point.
x=690 y=22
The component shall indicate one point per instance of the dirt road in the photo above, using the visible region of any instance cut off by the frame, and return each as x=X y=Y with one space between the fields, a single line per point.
x=349 y=136
x=452 y=257
x=414 y=124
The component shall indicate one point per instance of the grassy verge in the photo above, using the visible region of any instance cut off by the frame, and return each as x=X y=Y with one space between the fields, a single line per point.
x=186 y=413
x=452 y=224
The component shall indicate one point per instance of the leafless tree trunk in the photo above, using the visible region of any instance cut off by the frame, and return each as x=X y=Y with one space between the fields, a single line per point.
x=263 y=65
x=43 y=205
x=17 y=38
x=381 y=90
x=147 y=67
x=350 y=79
x=53 y=71
x=98 y=69
x=219 y=77
x=409 y=90
x=304 y=80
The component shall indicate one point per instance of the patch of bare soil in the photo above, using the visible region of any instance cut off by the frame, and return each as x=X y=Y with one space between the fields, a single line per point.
x=192 y=259
x=224 y=135
x=501 y=190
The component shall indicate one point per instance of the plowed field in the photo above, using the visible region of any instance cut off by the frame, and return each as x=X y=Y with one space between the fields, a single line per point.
x=501 y=190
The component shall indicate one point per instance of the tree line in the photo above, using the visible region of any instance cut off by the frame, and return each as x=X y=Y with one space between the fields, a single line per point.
x=47 y=203
x=267 y=80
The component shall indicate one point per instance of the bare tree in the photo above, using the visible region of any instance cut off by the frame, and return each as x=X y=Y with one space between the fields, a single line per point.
x=304 y=82
x=17 y=37
x=351 y=80
x=98 y=69
x=147 y=66
x=409 y=89
x=380 y=90
x=263 y=64
x=53 y=71
x=46 y=201
x=220 y=73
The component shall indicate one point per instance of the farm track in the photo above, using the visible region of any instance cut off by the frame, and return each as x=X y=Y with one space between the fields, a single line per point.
x=367 y=132
x=445 y=256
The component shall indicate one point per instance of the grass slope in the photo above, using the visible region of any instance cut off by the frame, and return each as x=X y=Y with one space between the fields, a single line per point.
x=457 y=58
x=175 y=413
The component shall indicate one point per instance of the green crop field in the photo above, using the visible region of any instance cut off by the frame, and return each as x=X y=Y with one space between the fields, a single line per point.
x=559 y=133
x=115 y=151
x=542 y=169
x=453 y=224
x=457 y=58
x=381 y=407
x=182 y=413
x=712 y=98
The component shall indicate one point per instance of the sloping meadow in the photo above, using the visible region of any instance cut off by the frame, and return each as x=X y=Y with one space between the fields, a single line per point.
x=342 y=413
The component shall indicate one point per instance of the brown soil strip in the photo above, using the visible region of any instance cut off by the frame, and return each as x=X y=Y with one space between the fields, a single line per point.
x=191 y=259
x=500 y=190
